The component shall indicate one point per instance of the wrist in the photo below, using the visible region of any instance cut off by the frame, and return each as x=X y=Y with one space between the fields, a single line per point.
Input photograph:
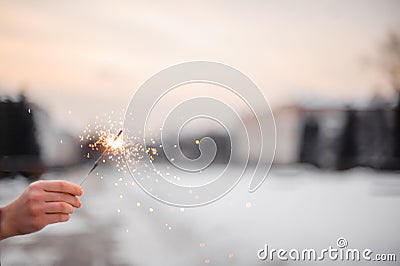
x=2 y=235
x=5 y=231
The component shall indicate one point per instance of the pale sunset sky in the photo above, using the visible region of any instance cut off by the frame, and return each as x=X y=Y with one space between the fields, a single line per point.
x=85 y=58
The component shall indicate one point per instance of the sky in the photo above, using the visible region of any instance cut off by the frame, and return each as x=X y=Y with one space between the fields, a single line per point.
x=79 y=61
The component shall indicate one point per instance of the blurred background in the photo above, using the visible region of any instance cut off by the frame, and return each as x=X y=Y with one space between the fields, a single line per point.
x=329 y=69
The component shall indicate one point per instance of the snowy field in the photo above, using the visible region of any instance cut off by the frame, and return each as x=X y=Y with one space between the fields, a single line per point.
x=296 y=207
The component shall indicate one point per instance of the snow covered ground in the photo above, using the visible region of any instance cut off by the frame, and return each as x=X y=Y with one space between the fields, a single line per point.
x=297 y=207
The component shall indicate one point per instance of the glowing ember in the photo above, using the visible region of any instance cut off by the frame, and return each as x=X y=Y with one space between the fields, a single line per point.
x=114 y=144
x=123 y=150
x=105 y=152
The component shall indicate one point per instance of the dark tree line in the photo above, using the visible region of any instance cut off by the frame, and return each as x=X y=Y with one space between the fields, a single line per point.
x=369 y=137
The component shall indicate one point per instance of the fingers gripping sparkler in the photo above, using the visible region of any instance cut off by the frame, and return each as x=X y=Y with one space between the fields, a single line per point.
x=110 y=146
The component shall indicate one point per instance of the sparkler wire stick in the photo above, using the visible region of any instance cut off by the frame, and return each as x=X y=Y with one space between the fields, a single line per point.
x=96 y=163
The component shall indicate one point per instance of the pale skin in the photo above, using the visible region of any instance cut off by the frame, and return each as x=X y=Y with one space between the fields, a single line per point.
x=42 y=203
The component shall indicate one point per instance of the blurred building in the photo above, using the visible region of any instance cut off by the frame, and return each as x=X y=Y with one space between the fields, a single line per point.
x=342 y=138
x=335 y=136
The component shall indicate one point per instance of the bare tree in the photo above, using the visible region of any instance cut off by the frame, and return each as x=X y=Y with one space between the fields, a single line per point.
x=391 y=66
x=391 y=59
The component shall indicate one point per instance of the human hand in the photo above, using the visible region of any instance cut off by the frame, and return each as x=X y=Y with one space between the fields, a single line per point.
x=42 y=203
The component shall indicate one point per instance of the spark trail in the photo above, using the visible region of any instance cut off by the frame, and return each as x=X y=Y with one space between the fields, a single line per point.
x=105 y=152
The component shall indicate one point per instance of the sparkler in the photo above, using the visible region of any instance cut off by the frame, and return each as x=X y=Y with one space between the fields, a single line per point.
x=110 y=145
